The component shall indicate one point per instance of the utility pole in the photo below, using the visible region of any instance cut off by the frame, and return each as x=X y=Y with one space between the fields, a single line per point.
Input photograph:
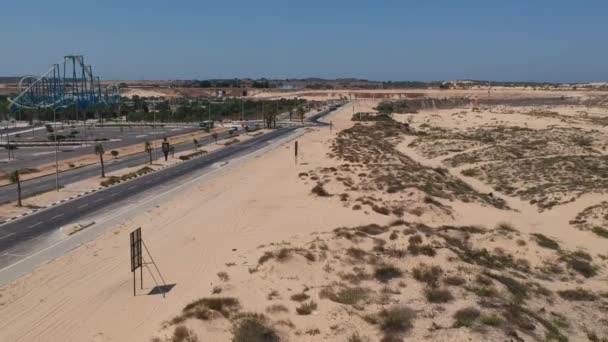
x=56 y=148
x=242 y=108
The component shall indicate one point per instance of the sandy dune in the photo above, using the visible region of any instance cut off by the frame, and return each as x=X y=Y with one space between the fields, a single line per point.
x=259 y=222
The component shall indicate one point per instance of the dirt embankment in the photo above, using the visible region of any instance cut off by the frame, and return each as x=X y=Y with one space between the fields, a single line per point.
x=413 y=105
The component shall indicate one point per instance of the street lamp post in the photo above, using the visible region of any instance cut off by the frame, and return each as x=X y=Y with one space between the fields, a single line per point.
x=242 y=109
x=56 y=148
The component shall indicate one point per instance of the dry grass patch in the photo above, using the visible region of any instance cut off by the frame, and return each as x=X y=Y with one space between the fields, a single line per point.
x=299 y=297
x=384 y=273
x=397 y=319
x=578 y=294
x=254 y=328
x=466 y=317
x=545 y=241
x=345 y=295
x=427 y=274
x=306 y=308
x=437 y=296
x=183 y=334
x=209 y=308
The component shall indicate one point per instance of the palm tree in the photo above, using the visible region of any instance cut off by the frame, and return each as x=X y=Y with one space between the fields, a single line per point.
x=99 y=151
x=148 y=148
x=14 y=178
x=301 y=113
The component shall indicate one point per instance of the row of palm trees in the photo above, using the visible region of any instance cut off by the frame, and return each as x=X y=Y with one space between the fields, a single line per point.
x=99 y=150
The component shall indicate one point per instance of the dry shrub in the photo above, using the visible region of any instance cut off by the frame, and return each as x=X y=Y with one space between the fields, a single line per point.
x=345 y=295
x=545 y=241
x=397 y=319
x=183 y=334
x=578 y=294
x=299 y=297
x=466 y=317
x=436 y=296
x=386 y=272
x=204 y=308
x=320 y=191
x=306 y=308
x=372 y=229
x=427 y=274
x=223 y=276
x=454 y=280
x=254 y=328
x=355 y=337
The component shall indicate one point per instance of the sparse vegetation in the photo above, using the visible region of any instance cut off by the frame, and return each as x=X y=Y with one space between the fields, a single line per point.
x=454 y=280
x=320 y=191
x=299 y=297
x=254 y=328
x=223 y=276
x=306 y=308
x=183 y=334
x=434 y=295
x=345 y=295
x=205 y=308
x=397 y=319
x=466 y=317
x=578 y=294
x=427 y=274
x=385 y=273
x=545 y=241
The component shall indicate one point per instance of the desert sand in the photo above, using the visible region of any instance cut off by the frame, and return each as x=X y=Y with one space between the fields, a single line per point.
x=376 y=232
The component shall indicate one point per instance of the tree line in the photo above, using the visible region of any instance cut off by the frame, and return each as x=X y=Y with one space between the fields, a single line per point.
x=138 y=109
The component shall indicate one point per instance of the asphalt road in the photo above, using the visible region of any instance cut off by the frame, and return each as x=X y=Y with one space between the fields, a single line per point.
x=30 y=157
x=38 y=232
x=19 y=237
x=45 y=183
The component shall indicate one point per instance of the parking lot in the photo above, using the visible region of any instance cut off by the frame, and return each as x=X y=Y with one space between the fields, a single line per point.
x=33 y=151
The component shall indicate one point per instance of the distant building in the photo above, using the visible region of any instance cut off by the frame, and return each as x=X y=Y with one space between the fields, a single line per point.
x=289 y=87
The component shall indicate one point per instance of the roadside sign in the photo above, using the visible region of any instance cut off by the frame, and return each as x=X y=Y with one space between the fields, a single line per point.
x=136 y=255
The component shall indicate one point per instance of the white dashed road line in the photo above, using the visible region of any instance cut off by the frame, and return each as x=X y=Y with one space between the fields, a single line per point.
x=56 y=216
x=5 y=236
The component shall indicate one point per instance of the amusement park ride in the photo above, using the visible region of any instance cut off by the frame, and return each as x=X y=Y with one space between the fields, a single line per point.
x=70 y=83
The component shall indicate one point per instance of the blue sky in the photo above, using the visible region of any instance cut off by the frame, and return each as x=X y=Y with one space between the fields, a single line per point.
x=528 y=40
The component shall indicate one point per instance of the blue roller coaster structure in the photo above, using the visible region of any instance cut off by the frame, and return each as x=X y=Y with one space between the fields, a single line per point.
x=70 y=84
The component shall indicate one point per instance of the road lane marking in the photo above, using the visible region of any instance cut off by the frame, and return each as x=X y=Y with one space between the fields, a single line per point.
x=98 y=200
x=34 y=225
x=5 y=236
x=11 y=254
x=56 y=216
x=82 y=206
x=131 y=187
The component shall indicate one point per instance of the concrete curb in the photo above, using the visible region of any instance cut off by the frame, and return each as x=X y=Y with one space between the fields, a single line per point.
x=76 y=227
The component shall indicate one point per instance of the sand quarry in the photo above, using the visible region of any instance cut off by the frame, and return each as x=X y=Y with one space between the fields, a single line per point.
x=475 y=223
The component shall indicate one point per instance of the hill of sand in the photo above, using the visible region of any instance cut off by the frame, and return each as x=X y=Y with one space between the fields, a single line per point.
x=438 y=225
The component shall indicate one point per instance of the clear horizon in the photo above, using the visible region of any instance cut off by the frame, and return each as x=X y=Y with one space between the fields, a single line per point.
x=543 y=41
